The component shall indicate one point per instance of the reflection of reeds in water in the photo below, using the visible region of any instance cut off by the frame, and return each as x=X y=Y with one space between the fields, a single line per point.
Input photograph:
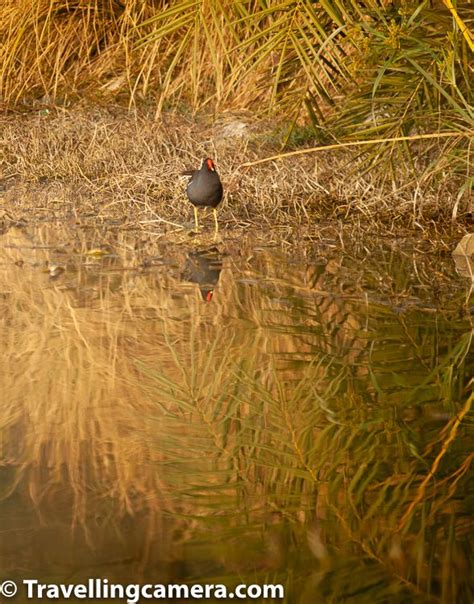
x=278 y=413
x=70 y=398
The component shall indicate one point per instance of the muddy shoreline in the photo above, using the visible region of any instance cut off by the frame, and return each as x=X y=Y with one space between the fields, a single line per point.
x=110 y=166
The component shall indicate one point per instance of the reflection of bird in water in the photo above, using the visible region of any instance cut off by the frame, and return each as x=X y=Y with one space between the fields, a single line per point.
x=204 y=268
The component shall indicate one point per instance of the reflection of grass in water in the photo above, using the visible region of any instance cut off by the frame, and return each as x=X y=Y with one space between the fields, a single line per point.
x=71 y=406
x=258 y=445
x=147 y=402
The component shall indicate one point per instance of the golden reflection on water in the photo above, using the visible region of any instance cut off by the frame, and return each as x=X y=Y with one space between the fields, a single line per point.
x=147 y=391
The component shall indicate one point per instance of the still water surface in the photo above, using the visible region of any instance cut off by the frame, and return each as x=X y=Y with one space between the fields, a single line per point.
x=235 y=414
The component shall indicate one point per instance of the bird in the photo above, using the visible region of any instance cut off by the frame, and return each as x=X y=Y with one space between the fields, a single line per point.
x=204 y=189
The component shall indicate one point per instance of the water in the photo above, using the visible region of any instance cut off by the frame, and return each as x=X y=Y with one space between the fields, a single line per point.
x=181 y=412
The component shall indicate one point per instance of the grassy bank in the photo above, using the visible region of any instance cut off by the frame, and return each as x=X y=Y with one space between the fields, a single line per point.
x=378 y=73
x=111 y=165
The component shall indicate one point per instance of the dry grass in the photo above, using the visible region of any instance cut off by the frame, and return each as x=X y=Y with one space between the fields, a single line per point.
x=365 y=72
x=110 y=165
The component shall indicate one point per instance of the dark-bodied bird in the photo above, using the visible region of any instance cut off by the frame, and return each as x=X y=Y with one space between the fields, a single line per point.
x=204 y=189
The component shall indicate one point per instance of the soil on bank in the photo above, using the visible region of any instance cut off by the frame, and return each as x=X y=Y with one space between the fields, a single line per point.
x=108 y=165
